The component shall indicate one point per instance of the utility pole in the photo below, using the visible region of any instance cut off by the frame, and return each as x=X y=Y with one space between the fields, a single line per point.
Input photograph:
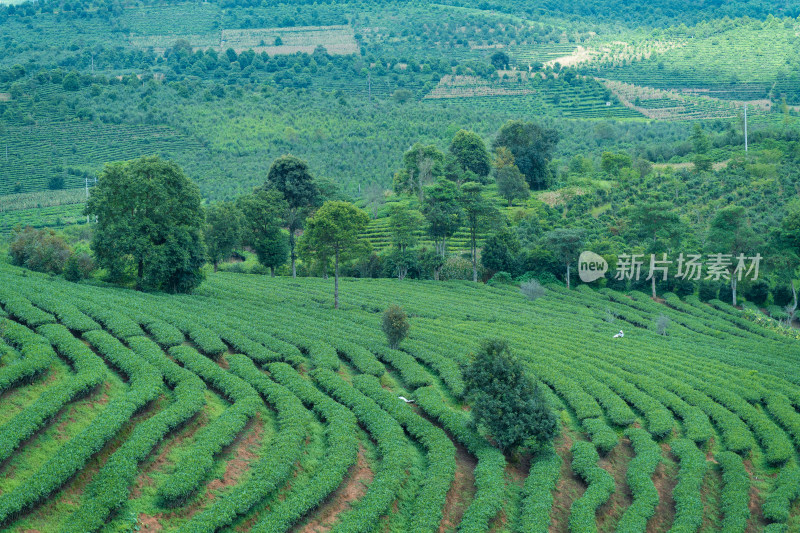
x=745 y=128
x=86 y=183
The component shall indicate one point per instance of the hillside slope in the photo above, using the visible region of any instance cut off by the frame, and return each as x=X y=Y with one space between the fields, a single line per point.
x=180 y=412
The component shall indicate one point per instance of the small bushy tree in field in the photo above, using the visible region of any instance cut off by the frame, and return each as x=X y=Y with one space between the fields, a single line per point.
x=395 y=325
x=662 y=322
x=505 y=400
x=532 y=289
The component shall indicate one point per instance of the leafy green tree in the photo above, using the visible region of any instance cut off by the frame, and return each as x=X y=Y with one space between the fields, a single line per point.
x=292 y=177
x=336 y=226
x=531 y=146
x=479 y=215
x=470 y=153
x=612 y=163
x=505 y=400
x=499 y=60
x=41 y=250
x=730 y=233
x=566 y=244
x=404 y=223
x=659 y=226
x=511 y=183
x=262 y=217
x=422 y=164
x=443 y=212
x=395 y=325
x=700 y=142
x=150 y=219
x=500 y=251
x=223 y=231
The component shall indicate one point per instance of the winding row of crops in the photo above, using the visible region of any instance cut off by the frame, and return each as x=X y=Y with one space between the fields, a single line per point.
x=251 y=404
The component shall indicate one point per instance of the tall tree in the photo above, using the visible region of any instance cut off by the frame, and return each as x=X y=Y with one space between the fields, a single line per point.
x=443 y=212
x=263 y=211
x=730 y=233
x=510 y=181
x=404 y=223
x=223 y=231
x=505 y=400
x=422 y=164
x=336 y=226
x=479 y=215
x=149 y=218
x=532 y=146
x=566 y=244
x=786 y=259
x=292 y=177
x=470 y=153
x=659 y=226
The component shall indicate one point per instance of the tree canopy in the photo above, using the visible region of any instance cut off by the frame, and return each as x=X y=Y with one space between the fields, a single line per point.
x=292 y=177
x=532 y=146
x=470 y=152
x=505 y=400
x=335 y=227
x=150 y=222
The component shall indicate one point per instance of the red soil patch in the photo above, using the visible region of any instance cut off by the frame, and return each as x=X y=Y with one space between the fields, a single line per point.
x=192 y=426
x=568 y=488
x=616 y=464
x=665 y=480
x=353 y=489
x=462 y=491
x=222 y=362
x=757 y=522
x=149 y=523
x=244 y=453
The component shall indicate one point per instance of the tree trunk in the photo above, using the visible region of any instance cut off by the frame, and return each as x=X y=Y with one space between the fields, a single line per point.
x=733 y=289
x=567 y=276
x=793 y=309
x=474 y=263
x=272 y=271
x=292 y=254
x=336 y=281
x=436 y=273
x=216 y=264
x=139 y=275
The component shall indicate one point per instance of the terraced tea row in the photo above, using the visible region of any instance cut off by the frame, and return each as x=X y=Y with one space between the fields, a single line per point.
x=253 y=404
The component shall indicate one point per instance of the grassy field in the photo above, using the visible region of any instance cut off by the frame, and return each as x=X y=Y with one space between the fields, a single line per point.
x=173 y=401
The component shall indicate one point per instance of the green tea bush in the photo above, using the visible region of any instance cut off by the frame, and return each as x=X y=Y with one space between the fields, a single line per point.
x=688 y=503
x=272 y=470
x=427 y=509
x=603 y=437
x=538 y=491
x=735 y=492
x=342 y=436
x=199 y=458
x=599 y=490
x=639 y=477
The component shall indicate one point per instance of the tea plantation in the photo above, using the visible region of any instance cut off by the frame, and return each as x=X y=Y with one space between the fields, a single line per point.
x=252 y=405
